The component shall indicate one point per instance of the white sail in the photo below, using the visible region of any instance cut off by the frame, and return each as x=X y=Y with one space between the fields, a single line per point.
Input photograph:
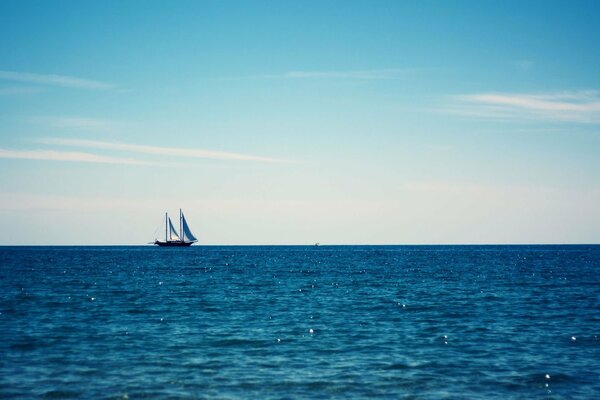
x=173 y=235
x=187 y=234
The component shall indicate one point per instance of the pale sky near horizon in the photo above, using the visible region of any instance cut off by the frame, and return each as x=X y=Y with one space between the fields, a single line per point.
x=340 y=122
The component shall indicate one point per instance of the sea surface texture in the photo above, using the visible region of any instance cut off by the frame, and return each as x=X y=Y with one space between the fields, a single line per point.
x=293 y=322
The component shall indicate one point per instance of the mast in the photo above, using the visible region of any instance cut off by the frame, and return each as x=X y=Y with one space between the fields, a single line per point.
x=166 y=225
x=181 y=225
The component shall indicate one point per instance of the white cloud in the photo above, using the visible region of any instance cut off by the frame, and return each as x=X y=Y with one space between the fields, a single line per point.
x=580 y=106
x=56 y=80
x=73 y=156
x=155 y=150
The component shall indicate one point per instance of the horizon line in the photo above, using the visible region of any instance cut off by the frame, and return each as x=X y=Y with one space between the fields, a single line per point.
x=307 y=245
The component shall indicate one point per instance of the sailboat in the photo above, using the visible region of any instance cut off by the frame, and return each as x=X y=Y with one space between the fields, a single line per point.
x=174 y=239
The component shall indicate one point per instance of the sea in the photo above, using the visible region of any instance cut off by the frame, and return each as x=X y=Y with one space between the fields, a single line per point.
x=300 y=322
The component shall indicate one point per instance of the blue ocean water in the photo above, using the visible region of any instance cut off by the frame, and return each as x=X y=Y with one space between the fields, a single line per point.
x=287 y=322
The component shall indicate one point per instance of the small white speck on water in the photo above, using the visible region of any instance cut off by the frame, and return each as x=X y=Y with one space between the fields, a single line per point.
x=311 y=331
x=546 y=385
x=547 y=376
x=573 y=338
x=299 y=290
x=93 y=298
x=278 y=340
x=161 y=319
x=445 y=336
x=160 y=283
x=445 y=342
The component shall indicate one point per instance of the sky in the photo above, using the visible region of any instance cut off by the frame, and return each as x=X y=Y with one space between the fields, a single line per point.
x=288 y=122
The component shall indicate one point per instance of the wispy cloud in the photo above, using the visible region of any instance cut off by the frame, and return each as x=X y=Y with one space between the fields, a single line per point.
x=389 y=73
x=523 y=65
x=155 y=150
x=72 y=156
x=56 y=80
x=79 y=123
x=580 y=106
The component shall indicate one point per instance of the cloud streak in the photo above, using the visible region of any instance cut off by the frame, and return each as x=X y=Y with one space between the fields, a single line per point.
x=581 y=106
x=162 y=151
x=71 y=156
x=370 y=74
x=78 y=123
x=56 y=80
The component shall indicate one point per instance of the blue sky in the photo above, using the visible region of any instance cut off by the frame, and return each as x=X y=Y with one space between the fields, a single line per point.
x=294 y=122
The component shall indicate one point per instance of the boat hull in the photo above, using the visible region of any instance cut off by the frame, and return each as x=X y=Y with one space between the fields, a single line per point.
x=173 y=244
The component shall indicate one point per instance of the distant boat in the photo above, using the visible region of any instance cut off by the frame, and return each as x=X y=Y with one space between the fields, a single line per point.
x=174 y=239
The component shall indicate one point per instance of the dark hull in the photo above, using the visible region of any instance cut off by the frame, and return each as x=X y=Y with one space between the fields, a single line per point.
x=173 y=244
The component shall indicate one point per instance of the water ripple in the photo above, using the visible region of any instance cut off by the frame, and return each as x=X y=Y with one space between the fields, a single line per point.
x=419 y=322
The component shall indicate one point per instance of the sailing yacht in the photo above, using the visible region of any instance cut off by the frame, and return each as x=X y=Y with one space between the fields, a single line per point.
x=174 y=239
